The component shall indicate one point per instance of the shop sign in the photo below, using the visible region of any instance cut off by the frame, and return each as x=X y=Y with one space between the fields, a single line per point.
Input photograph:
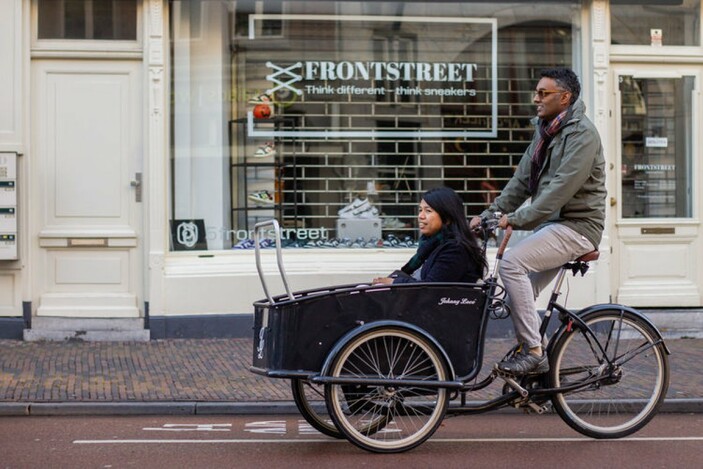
x=188 y=235
x=654 y=167
x=428 y=81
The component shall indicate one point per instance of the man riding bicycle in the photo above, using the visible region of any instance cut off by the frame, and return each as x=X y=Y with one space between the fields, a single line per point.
x=562 y=172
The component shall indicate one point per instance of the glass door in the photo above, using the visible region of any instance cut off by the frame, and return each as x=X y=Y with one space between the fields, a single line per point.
x=656 y=126
x=656 y=235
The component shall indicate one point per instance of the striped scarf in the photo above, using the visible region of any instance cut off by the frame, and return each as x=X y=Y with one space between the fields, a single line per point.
x=547 y=131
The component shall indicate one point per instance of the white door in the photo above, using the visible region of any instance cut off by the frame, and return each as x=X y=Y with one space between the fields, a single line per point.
x=85 y=170
x=656 y=197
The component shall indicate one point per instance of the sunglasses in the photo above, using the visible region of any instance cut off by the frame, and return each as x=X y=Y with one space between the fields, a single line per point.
x=543 y=93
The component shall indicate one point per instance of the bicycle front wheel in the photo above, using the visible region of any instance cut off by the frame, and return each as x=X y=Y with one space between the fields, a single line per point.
x=627 y=368
x=410 y=414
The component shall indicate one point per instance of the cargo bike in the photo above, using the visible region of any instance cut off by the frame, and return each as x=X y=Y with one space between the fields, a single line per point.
x=390 y=361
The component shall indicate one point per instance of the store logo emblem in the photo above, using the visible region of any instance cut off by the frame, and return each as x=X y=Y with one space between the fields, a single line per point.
x=187 y=234
x=287 y=73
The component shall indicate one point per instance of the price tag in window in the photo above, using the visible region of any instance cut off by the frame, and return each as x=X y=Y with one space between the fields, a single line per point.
x=656 y=142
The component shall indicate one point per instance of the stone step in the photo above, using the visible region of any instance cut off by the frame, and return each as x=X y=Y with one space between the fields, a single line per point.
x=53 y=328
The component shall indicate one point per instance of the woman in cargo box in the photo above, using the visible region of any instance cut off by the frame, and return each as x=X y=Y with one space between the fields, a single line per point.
x=448 y=251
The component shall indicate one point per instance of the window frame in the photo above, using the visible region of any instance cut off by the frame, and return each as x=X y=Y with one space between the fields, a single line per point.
x=86 y=47
x=649 y=53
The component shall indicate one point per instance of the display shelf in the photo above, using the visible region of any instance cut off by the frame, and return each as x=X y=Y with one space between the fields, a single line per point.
x=260 y=173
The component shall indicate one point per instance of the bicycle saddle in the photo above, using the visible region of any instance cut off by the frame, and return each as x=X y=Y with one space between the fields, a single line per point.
x=588 y=257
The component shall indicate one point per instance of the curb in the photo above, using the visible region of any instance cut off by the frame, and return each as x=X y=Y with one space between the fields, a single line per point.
x=674 y=406
x=145 y=408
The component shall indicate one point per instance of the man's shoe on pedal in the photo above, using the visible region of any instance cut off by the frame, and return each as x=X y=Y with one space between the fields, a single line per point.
x=524 y=363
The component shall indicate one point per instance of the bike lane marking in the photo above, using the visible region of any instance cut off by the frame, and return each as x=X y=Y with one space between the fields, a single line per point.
x=430 y=441
x=191 y=427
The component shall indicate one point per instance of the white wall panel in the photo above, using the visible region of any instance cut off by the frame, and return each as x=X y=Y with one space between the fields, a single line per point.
x=11 y=89
x=88 y=146
x=9 y=294
x=659 y=273
x=100 y=269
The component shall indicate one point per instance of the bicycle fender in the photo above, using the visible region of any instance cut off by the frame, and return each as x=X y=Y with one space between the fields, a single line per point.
x=603 y=307
x=327 y=365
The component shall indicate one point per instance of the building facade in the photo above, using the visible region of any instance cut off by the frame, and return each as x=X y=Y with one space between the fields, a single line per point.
x=142 y=140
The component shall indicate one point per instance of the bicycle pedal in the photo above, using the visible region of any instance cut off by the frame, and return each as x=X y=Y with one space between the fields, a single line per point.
x=536 y=408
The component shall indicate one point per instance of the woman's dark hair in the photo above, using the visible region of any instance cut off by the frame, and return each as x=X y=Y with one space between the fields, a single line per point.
x=450 y=208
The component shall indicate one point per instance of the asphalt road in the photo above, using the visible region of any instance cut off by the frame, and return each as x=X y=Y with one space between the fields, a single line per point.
x=497 y=440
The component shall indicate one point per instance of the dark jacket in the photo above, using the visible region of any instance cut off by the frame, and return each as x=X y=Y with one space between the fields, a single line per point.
x=449 y=262
x=571 y=187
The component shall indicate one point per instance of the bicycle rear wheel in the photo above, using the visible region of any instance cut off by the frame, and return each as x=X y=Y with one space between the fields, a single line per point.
x=310 y=400
x=629 y=368
x=409 y=414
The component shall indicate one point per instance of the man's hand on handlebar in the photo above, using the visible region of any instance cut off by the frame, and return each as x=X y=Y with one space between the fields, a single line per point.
x=498 y=220
x=475 y=223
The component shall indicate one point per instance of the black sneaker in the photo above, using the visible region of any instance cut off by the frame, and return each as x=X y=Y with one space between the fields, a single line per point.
x=524 y=363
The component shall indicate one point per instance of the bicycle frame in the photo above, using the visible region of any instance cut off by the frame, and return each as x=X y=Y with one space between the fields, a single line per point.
x=569 y=320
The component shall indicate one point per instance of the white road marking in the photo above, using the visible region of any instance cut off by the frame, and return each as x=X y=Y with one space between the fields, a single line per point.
x=192 y=427
x=304 y=428
x=276 y=427
x=432 y=440
x=237 y=441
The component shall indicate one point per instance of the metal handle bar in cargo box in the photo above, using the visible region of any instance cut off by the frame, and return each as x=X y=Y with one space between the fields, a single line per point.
x=279 y=257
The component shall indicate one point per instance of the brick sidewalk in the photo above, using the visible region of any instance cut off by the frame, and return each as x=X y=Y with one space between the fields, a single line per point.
x=212 y=370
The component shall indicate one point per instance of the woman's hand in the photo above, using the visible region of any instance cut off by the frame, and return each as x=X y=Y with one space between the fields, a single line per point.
x=382 y=281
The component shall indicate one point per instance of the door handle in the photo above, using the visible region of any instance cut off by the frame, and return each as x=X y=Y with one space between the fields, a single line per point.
x=137 y=184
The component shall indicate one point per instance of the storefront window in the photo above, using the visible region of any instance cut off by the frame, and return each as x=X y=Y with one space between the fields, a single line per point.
x=656 y=23
x=87 y=19
x=334 y=117
x=656 y=115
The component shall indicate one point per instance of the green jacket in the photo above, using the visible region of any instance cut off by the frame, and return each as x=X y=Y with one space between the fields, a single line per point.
x=571 y=187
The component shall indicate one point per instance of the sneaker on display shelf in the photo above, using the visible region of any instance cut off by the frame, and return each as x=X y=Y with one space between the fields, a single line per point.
x=330 y=243
x=367 y=212
x=244 y=244
x=344 y=243
x=373 y=243
x=261 y=99
x=410 y=242
x=393 y=223
x=267 y=149
x=267 y=243
x=261 y=197
x=290 y=243
x=314 y=244
x=359 y=243
x=356 y=205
